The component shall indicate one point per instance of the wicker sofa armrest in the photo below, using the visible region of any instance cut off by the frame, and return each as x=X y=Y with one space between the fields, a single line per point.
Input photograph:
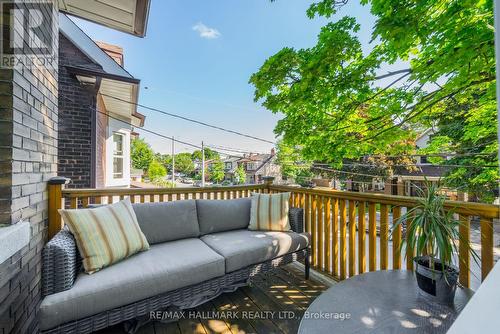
x=59 y=263
x=296 y=217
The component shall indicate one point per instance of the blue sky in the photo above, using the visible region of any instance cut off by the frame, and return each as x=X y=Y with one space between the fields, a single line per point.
x=197 y=57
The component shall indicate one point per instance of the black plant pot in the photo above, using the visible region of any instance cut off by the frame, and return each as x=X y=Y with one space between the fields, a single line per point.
x=436 y=284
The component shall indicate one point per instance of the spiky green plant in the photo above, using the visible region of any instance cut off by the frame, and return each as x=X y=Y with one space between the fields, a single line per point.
x=431 y=228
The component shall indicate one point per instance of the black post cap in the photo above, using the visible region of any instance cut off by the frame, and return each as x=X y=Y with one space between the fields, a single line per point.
x=59 y=180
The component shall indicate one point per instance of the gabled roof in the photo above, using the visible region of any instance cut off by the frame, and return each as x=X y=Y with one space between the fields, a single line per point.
x=119 y=89
x=90 y=48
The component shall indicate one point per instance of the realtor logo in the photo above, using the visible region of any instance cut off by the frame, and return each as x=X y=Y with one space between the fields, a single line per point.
x=27 y=30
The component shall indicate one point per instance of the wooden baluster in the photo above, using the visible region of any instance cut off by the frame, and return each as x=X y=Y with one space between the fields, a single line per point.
x=321 y=245
x=361 y=238
x=132 y=198
x=410 y=252
x=384 y=232
x=314 y=207
x=142 y=198
x=396 y=238
x=372 y=237
x=486 y=247
x=56 y=202
x=328 y=231
x=98 y=200
x=122 y=197
x=464 y=250
x=335 y=237
x=74 y=203
x=110 y=199
x=307 y=217
x=169 y=197
x=343 y=237
x=352 y=238
x=162 y=197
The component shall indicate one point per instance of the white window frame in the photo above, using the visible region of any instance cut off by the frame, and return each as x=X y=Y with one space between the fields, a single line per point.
x=117 y=127
x=121 y=156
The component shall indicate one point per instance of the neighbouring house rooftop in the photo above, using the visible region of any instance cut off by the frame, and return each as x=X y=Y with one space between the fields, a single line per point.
x=119 y=89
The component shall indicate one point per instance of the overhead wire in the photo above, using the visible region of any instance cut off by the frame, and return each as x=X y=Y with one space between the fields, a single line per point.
x=192 y=120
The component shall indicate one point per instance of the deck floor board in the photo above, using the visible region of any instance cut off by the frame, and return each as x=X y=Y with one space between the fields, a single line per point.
x=281 y=291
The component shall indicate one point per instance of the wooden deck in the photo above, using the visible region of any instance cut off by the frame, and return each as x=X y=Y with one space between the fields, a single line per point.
x=283 y=291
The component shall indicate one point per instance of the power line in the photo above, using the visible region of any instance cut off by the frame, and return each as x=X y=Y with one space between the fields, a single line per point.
x=409 y=165
x=192 y=120
x=170 y=138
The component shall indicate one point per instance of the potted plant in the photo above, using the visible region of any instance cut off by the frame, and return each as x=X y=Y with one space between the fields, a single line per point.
x=433 y=234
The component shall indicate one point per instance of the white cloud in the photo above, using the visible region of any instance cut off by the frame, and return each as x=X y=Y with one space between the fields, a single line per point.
x=206 y=32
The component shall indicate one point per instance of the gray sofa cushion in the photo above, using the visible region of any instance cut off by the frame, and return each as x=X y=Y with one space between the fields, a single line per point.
x=166 y=221
x=242 y=248
x=223 y=215
x=165 y=267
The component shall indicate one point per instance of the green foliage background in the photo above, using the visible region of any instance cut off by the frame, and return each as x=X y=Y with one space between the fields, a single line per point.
x=339 y=102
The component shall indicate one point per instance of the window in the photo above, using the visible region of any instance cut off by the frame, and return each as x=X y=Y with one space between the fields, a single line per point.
x=229 y=165
x=251 y=166
x=118 y=155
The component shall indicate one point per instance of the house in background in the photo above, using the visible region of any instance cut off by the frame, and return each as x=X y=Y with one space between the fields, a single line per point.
x=256 y=167
x=408 y=182
x=97 y=110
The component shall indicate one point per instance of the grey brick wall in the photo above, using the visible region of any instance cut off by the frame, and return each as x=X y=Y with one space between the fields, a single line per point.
x=28 y=158
x=75 y=118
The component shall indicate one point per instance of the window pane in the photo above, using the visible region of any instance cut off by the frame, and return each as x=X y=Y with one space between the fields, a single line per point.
x=117 y=144
x=117 y=168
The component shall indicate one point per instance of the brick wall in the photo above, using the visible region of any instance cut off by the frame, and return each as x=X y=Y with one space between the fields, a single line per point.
x=75 y=118
x=28 y=158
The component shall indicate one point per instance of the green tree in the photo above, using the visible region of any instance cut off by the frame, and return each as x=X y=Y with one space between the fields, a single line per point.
x=339 y=102
x=165 y=160
x=240 y=176
x=184 y=164
x=156 y=170
x=141 y=154
x=291 y=160
x=209 y=155
x=217 y=171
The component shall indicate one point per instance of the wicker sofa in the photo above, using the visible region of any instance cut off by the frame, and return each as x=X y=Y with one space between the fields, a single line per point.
x=199 y=249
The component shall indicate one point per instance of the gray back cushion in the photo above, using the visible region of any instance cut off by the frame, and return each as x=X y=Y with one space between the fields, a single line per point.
x=223 y=215
x=167 y=221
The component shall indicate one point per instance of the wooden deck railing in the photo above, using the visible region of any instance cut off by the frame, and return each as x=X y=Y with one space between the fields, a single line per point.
x=349 y=230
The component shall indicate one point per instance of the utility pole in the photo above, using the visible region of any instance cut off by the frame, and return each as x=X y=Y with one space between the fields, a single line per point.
x=202 y=164
x=173 y=160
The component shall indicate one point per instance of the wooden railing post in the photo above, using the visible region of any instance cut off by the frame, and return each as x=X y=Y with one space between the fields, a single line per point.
x=463 y=250
x=486 y=247
x=55 y=187
x=268 y=181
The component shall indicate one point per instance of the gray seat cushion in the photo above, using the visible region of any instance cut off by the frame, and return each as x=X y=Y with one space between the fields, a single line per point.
x=223 y=215
x=166 y=221
x=164 y=267
x=242 y=248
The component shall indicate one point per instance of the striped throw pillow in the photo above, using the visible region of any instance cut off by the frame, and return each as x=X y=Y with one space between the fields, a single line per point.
x=269 y=212
x=105 y=235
